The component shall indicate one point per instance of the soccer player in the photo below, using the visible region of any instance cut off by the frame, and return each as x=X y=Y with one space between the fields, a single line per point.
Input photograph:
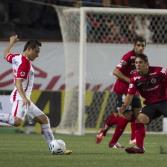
x=23 y=79
x=123 y=71
x=151 y=83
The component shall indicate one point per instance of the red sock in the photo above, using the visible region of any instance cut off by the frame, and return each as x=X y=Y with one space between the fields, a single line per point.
x=140 y=134
x=111 y=120
x=121 y=124
x=133 y=130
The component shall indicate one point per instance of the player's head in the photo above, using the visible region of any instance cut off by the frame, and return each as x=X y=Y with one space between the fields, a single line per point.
x=32 y=49
x=141 y=64
x=139 y=45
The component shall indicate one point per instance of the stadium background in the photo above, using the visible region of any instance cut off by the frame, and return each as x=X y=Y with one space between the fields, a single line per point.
x=31 y=21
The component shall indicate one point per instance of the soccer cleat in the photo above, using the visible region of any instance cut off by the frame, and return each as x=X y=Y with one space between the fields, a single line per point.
x=67 y=152
x=135 y=150
x=116 y=146
x=132 y=142
x=100 y=136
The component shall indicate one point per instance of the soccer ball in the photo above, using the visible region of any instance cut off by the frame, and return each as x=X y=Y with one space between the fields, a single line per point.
x=62 y=144
x=57 y=147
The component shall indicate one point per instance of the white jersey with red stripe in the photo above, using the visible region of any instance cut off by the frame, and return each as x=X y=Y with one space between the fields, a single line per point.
x=22 y=69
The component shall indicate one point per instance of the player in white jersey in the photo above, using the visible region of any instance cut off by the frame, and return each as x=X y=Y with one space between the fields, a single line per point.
x=23 y=80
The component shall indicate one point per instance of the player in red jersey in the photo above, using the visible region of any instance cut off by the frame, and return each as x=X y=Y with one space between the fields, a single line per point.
x=123 y=72
x=23 y=73
x=150 y=82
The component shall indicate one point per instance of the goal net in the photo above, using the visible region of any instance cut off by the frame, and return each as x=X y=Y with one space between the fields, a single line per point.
x=94 y=40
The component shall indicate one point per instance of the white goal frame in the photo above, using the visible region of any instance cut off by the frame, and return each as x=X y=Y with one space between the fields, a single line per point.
x=82 y=49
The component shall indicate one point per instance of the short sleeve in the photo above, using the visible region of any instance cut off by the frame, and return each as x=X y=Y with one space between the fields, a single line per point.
x=124 y=62
x=10 y=57
x=163 y=73
x=132 y=88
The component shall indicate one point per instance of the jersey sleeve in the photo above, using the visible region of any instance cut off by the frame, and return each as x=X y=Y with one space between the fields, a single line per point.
x=132 y=88
x=10 y=57
x=163 y=73
x=123 y=63
x=23 y=69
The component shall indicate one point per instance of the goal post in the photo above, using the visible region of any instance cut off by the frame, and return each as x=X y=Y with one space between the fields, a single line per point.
x=94 y=41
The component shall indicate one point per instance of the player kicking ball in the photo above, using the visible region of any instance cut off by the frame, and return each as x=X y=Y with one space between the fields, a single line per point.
x=23 y=73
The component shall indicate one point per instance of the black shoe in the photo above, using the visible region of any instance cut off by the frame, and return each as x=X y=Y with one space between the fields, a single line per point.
x=135 y=150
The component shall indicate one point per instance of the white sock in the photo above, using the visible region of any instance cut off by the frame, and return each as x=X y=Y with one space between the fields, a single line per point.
x=5 y=124
x=7 y=118
x=47 y=133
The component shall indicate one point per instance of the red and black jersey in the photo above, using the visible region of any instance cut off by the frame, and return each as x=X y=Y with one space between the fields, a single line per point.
x=152 y=87
x=127 y=67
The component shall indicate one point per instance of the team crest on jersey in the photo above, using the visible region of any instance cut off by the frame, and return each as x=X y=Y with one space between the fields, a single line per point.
x=22 y=74
x=153 y=80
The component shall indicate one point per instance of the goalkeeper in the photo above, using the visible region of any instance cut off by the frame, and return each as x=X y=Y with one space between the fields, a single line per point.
x=123 y=71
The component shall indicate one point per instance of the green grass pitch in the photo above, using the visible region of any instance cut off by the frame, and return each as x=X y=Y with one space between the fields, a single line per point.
x=21 y=150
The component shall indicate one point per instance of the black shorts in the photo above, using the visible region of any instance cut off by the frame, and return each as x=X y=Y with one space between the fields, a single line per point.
x=155 y=110
x=136 y=102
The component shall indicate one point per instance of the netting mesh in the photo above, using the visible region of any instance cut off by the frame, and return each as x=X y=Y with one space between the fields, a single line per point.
x=105 y=31
x=122 y=28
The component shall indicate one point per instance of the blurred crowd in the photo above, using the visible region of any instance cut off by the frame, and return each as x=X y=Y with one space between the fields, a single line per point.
x=31 y=20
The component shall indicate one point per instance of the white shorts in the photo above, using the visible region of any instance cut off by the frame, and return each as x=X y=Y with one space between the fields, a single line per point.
x=18 y=110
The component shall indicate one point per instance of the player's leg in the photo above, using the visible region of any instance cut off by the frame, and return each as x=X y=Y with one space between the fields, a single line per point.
x=2 y=124
x=162 y=108
x=136 y=107
x=122 y=122
x=15 y=117
x=35 y=113
x=6 y=119
x=133 y=129
x=108 y=123
x=144 y=117
x=140 y=135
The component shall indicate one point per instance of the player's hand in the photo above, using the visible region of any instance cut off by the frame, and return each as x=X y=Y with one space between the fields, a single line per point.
x=122 y=109
x=13 y=39
x=26 y=103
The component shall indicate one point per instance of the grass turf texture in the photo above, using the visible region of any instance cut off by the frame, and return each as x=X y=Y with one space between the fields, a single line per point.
x=21 y=150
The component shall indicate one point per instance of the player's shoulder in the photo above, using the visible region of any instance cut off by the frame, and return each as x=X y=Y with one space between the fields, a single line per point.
x=129 y=55
x=21 y=60
x=11 y=56
x=24 y=58
x=157 y=69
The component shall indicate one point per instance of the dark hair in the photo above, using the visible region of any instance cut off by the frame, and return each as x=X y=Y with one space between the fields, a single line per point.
x=139 y=39
x=143 y=57
x=32 y=44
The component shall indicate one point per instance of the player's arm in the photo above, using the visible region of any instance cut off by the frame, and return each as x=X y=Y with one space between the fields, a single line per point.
x=13 y=39
x=131 y=92
x=18 y=84
x=127 y=102
x=120 y=75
